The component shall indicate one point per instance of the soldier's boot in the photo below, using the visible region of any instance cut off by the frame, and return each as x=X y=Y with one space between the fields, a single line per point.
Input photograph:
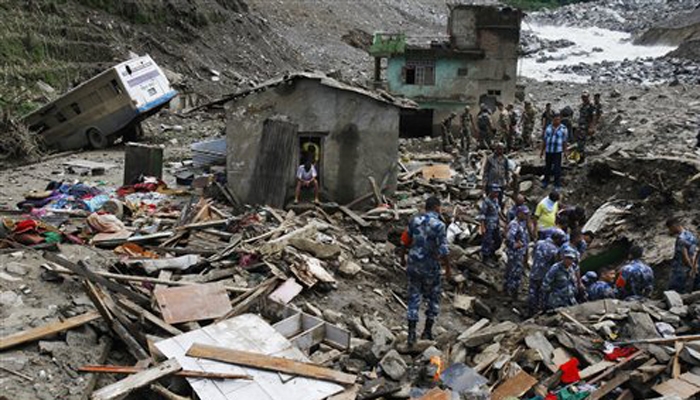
x=412 y=333
x=428 y=330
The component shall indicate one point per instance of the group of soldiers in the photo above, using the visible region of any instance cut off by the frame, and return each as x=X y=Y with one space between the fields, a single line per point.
x=515 y=128
x=551 y=239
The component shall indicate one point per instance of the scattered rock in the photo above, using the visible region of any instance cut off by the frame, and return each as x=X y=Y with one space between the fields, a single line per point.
x=349 y=269
x=393 y=365
x=673 y=299
x=16 y=268
x=332 y=316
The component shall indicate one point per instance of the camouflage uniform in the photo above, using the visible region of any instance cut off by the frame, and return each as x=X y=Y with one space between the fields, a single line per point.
x=559 y=287
x=586 y=112
x=529 y=115
x=491 y=241
x=679 y=271
x=503 y=126
x=466 y=131
x=600 y=290
x=447 y=138
x=638 y=280
x=484 y=126
x=598 y=106
x=517 y=232
x=575 y=269
x=428 y=242
x=546 y=252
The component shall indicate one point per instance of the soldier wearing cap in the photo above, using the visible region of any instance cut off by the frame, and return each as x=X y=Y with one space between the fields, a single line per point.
x=502 y=122
x=545 y=255
x=485 y=126
x=490 y=228
x=496 y=170
x=529 y=115
x=468 y=128
x=517 y=240
x=559 y=284
x=586 y=115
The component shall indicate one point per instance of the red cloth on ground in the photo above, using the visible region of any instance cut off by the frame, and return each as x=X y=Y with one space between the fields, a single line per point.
x=551 y=396
x=27 y=225
x=570 y=370
x=620 y=352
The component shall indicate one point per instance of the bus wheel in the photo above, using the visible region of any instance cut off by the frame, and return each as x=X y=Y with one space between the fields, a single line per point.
x=97 y=139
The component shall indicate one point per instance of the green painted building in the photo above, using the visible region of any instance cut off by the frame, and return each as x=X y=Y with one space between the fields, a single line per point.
x=475 y=63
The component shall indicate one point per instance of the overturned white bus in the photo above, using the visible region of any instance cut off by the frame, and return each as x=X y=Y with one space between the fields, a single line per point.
x=104 y=108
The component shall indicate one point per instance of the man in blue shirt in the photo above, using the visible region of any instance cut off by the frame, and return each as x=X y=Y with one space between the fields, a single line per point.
x=636 y=280
x=427 y=240
x=554 y=146
x=683 y=267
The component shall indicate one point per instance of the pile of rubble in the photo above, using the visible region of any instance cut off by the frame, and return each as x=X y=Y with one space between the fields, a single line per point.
x=645 y=71
x=214 y=299
x=626 y=16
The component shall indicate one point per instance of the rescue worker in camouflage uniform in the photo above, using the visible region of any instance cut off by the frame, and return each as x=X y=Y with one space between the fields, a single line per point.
x=529 y=115
x=559 y=285
x=597 y=114
x=512 y=127
x=496 y=170
x=586 y=114
x=517 y=241
x=490 y=228
x=684 y=269
x=485 y=126
x=448 y=141
x=468 y=128
x=636 y=279
x=603 y=288
x=503 y=123
x=546 y=253
x=426 y=238
x=547 y=117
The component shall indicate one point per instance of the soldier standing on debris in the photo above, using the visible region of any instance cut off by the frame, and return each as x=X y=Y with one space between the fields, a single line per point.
x=517 y=240
x=545 y=255
x=554 y=146
x=427 y=239
x=496 y=171
x=598 y=113
x=586 y=115
x=547 y=117
x=490 y=229
x=559 y=286
x=512 y=126
x=448 y=141
x=485 y=127
x=467 y=129
x=636 y=279
x=684 y=269
x=529 y=115
x=503 y=123
x=603 y=288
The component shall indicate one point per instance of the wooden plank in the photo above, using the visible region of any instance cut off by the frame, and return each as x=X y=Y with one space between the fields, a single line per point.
x=286 y=292
x=678 y=387
x=610 y=385
x=82 y=269
x=103 y=353
x=150 y=317
x=47 y=330
x=243 y=302
x=358 y=220
x=375 y=190
x=595 y=369
x=270 y=363
x=516 y=386
x=616 y=367
x=133 y=382
x=691 y=378
x=193 y=303
x=120 y=369
x=437 y=171
x=161 y=390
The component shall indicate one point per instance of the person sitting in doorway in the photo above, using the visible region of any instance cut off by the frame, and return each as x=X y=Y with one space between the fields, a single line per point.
x=306 y=178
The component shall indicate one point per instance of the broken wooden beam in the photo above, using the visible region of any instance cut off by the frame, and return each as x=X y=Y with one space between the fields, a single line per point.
x=128 y=370
x=358 y=220
x=148 y=316
x=671 y=339
x=138 y=380
x=47 y=330
x=269 y=363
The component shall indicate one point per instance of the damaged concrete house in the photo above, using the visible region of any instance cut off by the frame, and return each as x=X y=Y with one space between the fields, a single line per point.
x=475 y=63
x=351 y=132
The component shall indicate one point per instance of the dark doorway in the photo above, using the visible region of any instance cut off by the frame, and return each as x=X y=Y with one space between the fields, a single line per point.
x=311 y=148
x=416 y=123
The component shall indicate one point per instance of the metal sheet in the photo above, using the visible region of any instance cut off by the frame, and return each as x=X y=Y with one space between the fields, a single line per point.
x=250 y=333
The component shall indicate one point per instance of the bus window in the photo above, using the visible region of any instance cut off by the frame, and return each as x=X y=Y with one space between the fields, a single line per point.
x=115 y=86
x=60 y=117
x=76 y=108
x=128 y=70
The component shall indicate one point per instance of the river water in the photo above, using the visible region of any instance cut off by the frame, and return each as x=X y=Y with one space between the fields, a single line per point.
x=615 y=45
